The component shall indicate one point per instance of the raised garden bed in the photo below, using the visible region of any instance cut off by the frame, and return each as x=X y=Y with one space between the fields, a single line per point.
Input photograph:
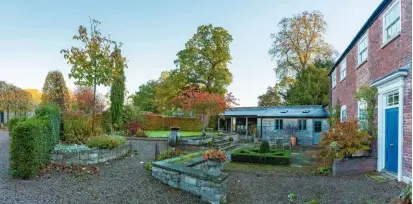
x=190 y=173
x=355 y=165
x=83 y=155
x=252 y=155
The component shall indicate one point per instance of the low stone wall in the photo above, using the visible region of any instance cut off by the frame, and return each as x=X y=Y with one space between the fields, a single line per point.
x=210 y=188
x=357 y=165
x=88 y=157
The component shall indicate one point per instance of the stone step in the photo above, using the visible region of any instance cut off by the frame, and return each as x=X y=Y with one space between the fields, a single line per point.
x=229 y=147
x=227 y=143
x=220 y=142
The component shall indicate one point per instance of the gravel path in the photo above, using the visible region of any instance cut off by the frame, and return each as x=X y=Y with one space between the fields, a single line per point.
x=122 y=181
x=126 y=181
x=274 y=188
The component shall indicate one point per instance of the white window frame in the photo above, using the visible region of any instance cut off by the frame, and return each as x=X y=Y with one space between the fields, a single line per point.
x=343 y=108
x=343 y=72
x=359 y=52
x=360 y=106
x=387 y=40
x=393 y=104
x=334 y=79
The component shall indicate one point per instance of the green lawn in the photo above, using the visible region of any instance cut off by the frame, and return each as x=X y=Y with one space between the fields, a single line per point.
x=155 y=133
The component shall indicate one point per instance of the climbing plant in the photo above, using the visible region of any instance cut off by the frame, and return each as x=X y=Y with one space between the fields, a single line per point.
x=368 y=95
x=335 y=114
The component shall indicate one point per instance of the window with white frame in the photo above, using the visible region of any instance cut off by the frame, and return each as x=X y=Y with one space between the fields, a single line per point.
x=363 y=49
x=391 y=22
x=362 y=114
x=343 y=113
x=343 y=70
x=333 y=79
x=392 y=99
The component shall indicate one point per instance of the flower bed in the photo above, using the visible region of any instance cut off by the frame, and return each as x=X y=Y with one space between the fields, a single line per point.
x=252 y=155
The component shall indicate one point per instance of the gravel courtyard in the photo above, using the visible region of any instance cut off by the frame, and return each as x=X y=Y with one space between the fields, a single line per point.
x=126 y=181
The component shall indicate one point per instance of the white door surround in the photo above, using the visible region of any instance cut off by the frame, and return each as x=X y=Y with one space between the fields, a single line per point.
x=390 y=84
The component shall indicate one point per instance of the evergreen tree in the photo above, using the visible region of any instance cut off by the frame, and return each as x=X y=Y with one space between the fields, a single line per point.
x=117 y=91
x=55 y=90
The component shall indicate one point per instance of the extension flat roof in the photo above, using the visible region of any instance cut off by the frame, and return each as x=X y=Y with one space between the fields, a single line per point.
x=312 y=111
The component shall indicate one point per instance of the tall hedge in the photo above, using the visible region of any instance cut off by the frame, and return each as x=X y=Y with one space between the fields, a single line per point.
x=159 y=122
x=32 y=141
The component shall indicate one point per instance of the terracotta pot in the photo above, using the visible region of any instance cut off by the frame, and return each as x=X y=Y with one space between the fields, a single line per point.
x=293 y=140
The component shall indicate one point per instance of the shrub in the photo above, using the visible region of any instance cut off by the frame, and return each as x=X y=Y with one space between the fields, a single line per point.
x=15 y=120
x=265 y=147
x=141 y=133
x=77 y=128
x=231 y=139
x=105 y=142
x=169 y=153
x=27 y=141
x=323 y=170
x=342 y=141
x=148 y=166
x=33 y=140
x=405 y=196
x=106 y=122
x=133 y=127
x=210 y=144
x=253 y=155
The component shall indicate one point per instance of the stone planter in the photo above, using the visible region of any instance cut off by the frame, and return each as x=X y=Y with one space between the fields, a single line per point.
x=199 y=181
x=355 y=165
x=90 y=156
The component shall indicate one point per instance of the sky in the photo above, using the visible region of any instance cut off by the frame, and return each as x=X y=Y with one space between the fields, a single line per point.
x=32 y=33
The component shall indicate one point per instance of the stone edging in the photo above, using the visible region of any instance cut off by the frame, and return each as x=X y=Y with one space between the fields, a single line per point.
x=88 y=157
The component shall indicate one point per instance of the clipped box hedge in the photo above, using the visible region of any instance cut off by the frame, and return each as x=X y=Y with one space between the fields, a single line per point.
x=252 y=155
x=32 y=141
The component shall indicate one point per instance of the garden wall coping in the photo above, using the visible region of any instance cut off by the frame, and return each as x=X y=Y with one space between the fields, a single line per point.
x=181 y=168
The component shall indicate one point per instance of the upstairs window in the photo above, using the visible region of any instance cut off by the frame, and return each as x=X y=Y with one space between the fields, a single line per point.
x=333 y=79
x=343 y=113
x=278 y=125
x=391 y=22
x=302 y=124
x=363 y=49
x=343 y=70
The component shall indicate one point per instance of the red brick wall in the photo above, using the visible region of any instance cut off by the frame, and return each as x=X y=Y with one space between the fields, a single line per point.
x=380 y=62
x=407 y=126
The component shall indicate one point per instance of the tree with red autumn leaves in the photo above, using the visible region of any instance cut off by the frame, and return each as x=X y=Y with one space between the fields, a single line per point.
x=204 y=103
x=84 y=100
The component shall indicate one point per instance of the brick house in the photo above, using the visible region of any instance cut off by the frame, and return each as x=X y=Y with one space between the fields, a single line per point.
x=380 y=55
